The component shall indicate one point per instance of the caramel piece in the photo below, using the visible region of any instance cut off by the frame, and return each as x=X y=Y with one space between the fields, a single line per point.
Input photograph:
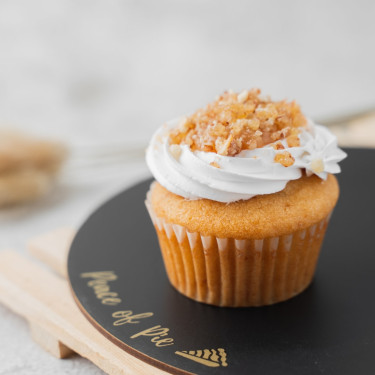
x=285 y=159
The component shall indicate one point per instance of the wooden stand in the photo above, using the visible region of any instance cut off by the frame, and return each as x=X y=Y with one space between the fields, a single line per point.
x=42 y=296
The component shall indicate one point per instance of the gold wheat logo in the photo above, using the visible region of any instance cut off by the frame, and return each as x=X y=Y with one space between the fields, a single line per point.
x=211 y=358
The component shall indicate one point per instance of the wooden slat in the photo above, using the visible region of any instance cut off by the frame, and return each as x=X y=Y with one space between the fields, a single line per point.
x=52 y=248
x=48 y=342
x=45 y=301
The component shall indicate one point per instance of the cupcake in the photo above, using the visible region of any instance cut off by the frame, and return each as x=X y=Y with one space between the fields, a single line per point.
x=243 y=194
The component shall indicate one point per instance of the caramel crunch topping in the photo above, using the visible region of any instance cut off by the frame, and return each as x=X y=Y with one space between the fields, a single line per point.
x=244 y=121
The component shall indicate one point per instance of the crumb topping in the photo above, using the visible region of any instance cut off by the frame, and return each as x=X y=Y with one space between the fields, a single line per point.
x=317 y=166
x=244 y=121
x=284 y=158
x=278 y=146
x=215 y=164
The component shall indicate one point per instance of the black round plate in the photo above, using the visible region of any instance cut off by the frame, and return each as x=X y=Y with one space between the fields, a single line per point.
x=328 y=329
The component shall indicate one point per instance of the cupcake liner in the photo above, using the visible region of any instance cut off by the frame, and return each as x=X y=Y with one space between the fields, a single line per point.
x=238 y=272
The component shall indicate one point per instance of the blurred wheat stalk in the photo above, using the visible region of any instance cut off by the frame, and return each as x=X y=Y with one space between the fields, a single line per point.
x=355 y=129
x=28 y=167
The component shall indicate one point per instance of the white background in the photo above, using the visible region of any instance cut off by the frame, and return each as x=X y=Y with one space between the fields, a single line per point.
x=96 y=72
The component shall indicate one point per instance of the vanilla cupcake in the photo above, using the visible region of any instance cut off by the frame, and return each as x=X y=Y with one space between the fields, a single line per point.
x=243 y=194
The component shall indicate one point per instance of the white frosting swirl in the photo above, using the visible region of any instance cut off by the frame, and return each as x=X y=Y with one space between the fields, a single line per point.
x=250 y=173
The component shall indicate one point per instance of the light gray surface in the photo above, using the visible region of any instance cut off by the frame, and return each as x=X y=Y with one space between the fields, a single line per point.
x=94 y=72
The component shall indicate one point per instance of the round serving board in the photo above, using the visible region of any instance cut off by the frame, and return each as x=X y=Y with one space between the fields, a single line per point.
x=118 y=280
